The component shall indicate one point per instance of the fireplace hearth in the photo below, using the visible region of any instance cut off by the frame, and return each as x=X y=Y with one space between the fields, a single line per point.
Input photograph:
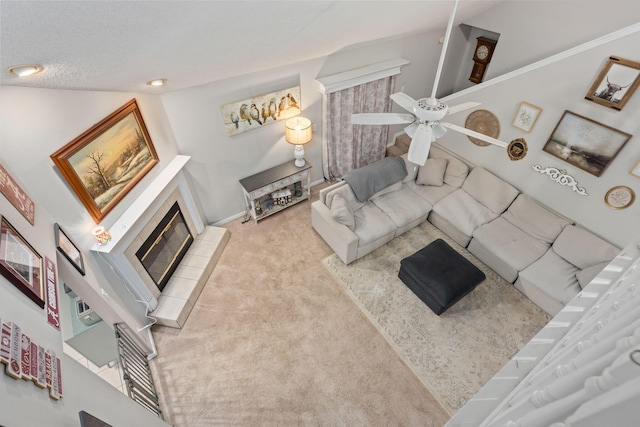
x=165 y=247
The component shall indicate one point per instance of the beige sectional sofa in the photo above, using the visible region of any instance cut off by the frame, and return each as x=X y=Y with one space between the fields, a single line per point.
x=544 y=254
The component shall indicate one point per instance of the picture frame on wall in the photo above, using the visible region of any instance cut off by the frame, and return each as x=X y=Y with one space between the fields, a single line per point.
x=526 y=116
x=615 y=84
x=253 y=113
x=20 y=263
x=68 y=249
x=635 y=171
x=104 y=163
x=585 y=143
x=619 y=197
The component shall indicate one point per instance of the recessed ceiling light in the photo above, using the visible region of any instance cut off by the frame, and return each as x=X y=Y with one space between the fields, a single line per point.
x=24 y=70
x=157 y=82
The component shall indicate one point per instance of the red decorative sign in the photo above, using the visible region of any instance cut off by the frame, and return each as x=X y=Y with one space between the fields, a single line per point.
x=25 y=356
x=13 y=369
x=53 y=313
x=27 y=360
x=16 y=196
x=5 y=342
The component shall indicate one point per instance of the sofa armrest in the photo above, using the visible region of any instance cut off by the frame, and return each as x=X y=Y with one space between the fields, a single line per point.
x=339 y=237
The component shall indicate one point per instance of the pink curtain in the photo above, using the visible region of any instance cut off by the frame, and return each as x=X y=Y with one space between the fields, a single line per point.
x=348 y=146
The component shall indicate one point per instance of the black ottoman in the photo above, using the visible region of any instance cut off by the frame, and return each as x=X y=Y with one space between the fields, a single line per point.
x=439 y=275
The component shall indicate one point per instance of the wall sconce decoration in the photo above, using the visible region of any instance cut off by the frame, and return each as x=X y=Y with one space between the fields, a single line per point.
x=298 y=132
x=102 y=235
x=561 y=177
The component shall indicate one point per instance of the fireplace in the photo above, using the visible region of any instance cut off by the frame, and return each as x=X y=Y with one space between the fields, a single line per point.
x=165 y=247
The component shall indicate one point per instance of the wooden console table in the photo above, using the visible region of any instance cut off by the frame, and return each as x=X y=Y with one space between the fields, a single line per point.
x=283 y=180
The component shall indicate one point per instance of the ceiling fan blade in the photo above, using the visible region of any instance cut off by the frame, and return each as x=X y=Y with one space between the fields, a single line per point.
x=475 y=134
x=404 y=100
x=420 y=145
x=462 y=107
x=411 y=129
x=444 y=50
x=382 y=119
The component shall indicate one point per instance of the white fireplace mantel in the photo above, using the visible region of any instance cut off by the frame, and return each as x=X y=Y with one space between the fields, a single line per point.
x=133 y=221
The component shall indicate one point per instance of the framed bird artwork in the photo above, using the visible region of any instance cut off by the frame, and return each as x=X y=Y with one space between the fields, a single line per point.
x=253 y=113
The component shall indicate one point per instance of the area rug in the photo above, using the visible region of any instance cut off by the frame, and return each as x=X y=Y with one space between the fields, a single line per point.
x=453 y=354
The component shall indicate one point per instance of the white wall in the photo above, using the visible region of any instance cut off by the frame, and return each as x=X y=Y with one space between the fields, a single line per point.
x=22 y=404
x=555 y=88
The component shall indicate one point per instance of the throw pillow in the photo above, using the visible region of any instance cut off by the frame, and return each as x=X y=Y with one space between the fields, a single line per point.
x=342 y=213
x=456 y=173
x=432 y=173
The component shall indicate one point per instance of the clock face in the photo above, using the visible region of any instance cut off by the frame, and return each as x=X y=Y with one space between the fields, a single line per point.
x=482 y=52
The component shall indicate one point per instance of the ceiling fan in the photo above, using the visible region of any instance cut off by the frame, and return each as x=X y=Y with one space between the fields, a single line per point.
x=424 y=121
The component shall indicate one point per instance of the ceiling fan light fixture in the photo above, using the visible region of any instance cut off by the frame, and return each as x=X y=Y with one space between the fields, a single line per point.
x=157 y=82
x=439 y=130
x=24 y=70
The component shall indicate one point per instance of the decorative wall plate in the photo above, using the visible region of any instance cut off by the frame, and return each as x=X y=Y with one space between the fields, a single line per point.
x=485 y=122
x=620 y=197
x=517 y=149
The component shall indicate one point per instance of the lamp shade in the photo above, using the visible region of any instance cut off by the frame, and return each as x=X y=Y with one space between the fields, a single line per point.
x=298 y=130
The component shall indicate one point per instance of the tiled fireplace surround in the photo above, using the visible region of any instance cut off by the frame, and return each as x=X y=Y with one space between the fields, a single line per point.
x=172 y=306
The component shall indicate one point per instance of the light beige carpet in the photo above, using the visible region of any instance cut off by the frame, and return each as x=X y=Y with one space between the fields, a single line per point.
x=456 y=353
x=274 y=340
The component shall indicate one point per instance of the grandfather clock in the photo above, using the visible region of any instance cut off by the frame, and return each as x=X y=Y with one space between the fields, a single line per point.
x=481 y=57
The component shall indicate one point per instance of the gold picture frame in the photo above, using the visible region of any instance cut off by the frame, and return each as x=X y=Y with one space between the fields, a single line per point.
x=619 y=197
x=617 y=81
x=104 y=163
x=526 y=116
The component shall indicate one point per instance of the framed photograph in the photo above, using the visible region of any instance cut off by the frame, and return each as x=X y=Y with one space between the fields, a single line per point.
x=526 y=116
x=253 y=113
x=104 y=163
x=69 y=249
x=585 y=143
x=619 y=197
x=20 y=263
x=615 y=84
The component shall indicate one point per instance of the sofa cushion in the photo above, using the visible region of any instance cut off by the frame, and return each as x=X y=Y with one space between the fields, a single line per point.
x=432 y=173
x=431 y=193
x=534 y=219
x=403 y=206
x=489 y=190
x=554 y=276
x=463 y=211
x=347 y=194
x=342 y=213
x=588 y=274
x=509 y=244
x=582 y=248
x=456 y=173
x=393 y=187
x=372 y=224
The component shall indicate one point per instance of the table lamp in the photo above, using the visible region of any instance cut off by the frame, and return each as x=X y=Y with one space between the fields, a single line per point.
x=298 y=132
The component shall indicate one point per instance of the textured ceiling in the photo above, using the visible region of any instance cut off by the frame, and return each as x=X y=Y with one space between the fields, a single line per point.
x=120 y=45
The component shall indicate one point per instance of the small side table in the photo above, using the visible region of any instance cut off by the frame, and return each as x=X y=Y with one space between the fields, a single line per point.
x=290 y=184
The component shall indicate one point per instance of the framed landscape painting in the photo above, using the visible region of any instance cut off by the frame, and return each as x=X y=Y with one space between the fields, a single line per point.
x=615 y=84
x=104 y=163
x=585 y=143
